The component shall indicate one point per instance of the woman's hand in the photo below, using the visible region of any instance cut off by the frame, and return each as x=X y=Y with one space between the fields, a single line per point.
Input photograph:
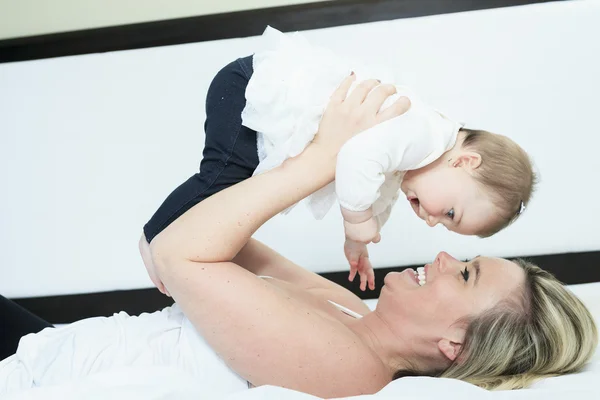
x=150 y=268
x=345 y=116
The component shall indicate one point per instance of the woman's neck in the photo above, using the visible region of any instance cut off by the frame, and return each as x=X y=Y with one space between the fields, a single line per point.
x=398 y=349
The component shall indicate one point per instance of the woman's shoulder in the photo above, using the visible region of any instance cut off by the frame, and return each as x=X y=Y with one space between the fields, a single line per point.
x=331 y=359
x=350 y=367
x=341 y=363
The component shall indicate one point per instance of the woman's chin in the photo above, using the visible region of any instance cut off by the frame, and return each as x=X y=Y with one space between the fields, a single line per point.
x=405 y=278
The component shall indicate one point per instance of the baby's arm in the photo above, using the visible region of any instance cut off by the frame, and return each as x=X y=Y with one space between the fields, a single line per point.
x=359 y=175
x=399 y=144
x=360 y=226
x=361 y=167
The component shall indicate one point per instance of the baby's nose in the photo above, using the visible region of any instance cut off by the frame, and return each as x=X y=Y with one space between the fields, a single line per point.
x=431 y=220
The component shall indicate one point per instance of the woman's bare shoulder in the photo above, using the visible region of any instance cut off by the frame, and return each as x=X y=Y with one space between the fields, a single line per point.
x=332 y=361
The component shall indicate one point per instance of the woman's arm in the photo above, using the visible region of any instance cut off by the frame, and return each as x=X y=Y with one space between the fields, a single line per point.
x=218 y=227
x=262 y=333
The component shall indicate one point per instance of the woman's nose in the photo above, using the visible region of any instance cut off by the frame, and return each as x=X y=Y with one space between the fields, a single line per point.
x=445 y=261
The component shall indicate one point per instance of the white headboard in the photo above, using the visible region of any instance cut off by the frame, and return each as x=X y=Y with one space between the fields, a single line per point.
x=90 y=145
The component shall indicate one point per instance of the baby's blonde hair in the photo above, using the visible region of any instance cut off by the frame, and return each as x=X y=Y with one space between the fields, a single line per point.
x=543 y=331
x=506 y=173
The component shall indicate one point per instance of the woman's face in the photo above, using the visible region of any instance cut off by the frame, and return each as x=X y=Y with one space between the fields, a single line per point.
x=453 y=290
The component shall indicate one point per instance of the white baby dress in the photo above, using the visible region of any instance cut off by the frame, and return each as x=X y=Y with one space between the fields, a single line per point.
x=286 y=98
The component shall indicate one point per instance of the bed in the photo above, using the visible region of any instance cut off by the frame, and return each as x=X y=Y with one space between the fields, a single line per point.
x=62 y=283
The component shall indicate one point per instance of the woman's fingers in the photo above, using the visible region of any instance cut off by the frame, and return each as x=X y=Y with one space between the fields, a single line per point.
x=345 y=117
x=377 y=96
x=399 y=107
x=359 y=94
x=342 y=91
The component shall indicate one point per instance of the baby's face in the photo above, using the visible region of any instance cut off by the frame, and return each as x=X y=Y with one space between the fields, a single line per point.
x=447 y=195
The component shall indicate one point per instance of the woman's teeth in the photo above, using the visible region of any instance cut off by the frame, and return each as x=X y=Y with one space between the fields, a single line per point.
x=421 y=275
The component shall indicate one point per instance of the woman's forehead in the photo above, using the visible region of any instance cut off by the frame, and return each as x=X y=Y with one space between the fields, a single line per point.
x=499 y=273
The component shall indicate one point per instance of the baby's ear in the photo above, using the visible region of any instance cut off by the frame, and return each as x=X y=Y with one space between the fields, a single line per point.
x=468 y=159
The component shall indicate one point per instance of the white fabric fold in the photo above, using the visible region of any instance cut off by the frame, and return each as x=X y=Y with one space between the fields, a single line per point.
x=94 y=346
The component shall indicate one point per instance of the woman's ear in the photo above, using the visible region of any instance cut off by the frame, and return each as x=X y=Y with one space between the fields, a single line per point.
x=449 y=348
x=468 y=159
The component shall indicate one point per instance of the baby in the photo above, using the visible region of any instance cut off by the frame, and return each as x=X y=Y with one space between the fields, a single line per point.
x=477 y=186
x=473 y=182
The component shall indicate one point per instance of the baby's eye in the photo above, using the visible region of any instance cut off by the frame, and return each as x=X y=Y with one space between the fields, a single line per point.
x=465 y=274
x=450 y=214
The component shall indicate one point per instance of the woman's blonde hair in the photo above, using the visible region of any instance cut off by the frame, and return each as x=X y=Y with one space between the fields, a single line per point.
x=546 y=331
x=506 y=173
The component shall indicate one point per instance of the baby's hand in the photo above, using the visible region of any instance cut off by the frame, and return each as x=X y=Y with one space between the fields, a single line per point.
x=364 y=232
x=358 y=257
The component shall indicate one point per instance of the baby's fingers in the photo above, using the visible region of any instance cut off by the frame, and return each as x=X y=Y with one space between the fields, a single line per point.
x=368 y=271
x=353 y=261
x=371 y=278
x=363 y=280
x=353 y=271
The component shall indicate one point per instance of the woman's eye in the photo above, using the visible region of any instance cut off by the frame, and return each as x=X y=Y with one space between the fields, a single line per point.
x=465 y=274
x=450 y=214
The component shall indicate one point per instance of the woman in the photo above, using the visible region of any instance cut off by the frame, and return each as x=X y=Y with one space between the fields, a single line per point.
x=492 y=322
